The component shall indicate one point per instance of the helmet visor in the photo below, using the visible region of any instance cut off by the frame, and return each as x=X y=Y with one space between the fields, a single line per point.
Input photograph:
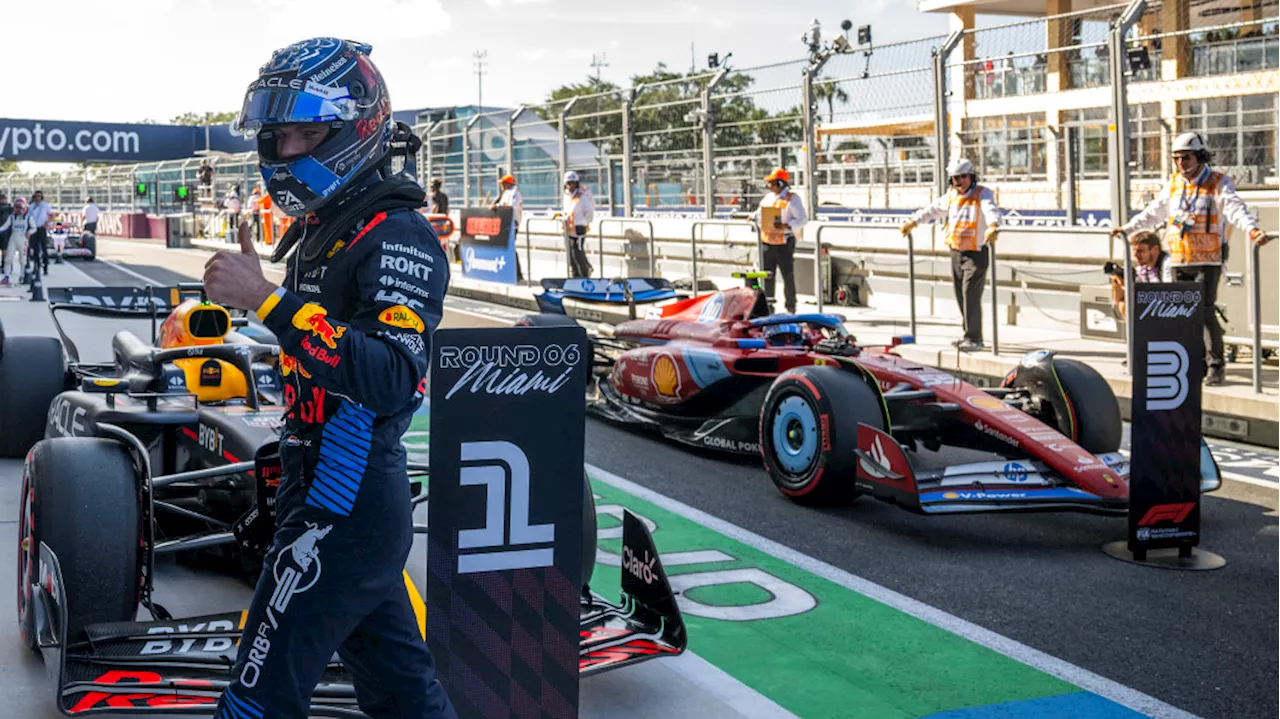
x=279 y=106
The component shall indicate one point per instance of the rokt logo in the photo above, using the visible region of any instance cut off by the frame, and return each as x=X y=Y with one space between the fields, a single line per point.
x=1167 y=384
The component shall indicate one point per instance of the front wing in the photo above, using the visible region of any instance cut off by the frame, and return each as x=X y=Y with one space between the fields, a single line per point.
x=1027 y=485
x=182 y=666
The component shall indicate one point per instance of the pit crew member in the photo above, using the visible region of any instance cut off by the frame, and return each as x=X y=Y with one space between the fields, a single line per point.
x=1199 y=206
x=973 y=223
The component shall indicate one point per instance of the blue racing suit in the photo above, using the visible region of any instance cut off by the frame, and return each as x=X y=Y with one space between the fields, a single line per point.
x=355 y=333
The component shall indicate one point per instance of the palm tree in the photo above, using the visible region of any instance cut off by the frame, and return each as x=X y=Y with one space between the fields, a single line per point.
x=831 y=92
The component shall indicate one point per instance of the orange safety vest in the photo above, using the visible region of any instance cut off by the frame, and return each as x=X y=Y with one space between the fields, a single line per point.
x=777 y=237
x=1192 y=234
x=962 y=219
x=268 y=220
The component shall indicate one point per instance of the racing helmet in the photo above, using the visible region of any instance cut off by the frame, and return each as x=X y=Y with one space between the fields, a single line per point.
x=321 y=80
x=784 y=335
x=19 y=205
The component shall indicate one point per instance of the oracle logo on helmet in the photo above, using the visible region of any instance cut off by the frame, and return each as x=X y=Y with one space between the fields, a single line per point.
x=321 y=80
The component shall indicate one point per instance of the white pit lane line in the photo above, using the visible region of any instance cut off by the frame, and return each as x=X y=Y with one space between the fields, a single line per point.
x=1066 y=671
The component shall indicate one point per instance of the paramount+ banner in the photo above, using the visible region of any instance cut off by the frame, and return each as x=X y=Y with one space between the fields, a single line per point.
x=488 y=244
x=59 y=141
x=1168 y=356
x=505 y=520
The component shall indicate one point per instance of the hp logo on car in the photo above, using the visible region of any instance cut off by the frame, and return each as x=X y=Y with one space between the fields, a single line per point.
x=1167 y=384
x=1014 y=472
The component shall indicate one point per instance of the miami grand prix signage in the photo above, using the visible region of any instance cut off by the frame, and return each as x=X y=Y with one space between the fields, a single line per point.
x=504 y=541
x=1168 y=357
x=59 y=141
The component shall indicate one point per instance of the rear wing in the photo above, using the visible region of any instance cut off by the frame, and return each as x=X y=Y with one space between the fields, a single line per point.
x=116 y=301
x=149 y=302
x=619 y=290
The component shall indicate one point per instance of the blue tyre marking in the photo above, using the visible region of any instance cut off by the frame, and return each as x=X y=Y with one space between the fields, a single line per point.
x=795 y=434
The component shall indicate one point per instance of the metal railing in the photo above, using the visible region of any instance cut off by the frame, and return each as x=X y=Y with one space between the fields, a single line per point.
x=528 y=243
x=1255 y=310
x=624 y=221
x=693 y=243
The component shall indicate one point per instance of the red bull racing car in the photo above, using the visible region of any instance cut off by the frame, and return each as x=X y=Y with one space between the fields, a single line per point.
x=833 y=420
x=170 y=447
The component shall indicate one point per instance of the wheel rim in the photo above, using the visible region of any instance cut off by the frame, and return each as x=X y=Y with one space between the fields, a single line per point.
x=26 y=553
x=795 y=435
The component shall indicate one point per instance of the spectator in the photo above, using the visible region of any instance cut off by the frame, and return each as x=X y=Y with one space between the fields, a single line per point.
x=439 y=200
x=266 y=210
x=1198 y=207
x=90 y=216
x=205 y=174
x=255 y=209
x=780 y=237
x=510 y=197
x=38 y=216
x=972 y=223
x=16 y=257
x=1150 y=264
x=578 y=213
x=6 y=222
x=231 y=205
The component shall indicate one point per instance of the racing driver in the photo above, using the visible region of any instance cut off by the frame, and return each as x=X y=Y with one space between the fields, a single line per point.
x=361 y=299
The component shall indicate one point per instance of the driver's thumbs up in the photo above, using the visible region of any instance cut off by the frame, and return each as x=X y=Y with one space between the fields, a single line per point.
x=246 y=243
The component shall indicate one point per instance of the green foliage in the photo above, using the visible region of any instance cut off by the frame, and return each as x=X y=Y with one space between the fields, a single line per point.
x=208 y=118
x=660 y=110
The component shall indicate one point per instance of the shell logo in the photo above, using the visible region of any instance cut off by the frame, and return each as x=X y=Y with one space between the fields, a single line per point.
x=665 y=376
x=951 y=495
x=986 y=401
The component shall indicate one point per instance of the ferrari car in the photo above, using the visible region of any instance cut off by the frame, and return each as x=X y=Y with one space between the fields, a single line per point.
x=171 y=447
x=833 y=420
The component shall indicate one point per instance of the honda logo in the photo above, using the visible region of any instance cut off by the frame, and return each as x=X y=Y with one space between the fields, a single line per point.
x=1167 y=383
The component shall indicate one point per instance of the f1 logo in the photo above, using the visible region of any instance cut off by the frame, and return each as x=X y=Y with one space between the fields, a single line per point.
x=1167 y=513
x=1167 y=384
x=506 y=523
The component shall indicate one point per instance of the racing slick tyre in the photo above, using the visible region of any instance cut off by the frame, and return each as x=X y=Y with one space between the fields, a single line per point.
x=1097 y=413
x=32 y=372
x=546 y=320
x=89 y=241
x=80 y=497
x=809 y=432
x=589 y=533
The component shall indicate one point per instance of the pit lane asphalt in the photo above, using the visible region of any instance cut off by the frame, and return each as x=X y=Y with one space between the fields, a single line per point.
x=689 y=685
x=1205 y=642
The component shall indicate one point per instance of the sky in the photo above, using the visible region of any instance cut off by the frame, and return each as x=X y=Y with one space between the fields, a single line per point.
x=133 y=60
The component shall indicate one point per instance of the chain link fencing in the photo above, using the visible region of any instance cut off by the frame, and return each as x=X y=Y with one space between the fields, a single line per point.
x=1029 y=102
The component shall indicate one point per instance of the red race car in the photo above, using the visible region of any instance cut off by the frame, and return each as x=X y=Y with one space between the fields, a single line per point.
x=833 y=420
